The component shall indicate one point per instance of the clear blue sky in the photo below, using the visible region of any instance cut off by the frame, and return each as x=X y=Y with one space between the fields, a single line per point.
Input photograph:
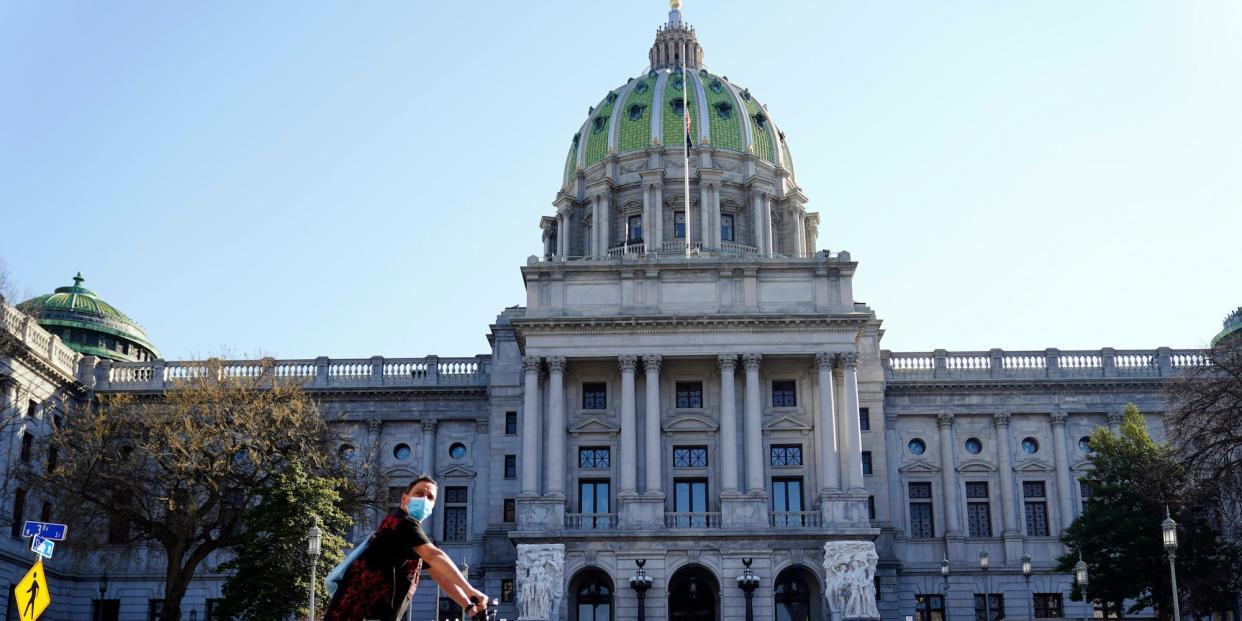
x=354 y=179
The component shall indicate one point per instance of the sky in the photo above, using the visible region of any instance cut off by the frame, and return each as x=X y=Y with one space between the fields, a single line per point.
x=301 y=179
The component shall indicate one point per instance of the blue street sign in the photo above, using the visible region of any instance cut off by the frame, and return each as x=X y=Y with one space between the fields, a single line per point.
x=46 y=530
x=42 y=547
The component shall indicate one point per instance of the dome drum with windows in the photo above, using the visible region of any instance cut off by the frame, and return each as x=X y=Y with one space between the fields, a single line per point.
x=89 y=325
x=636 y=139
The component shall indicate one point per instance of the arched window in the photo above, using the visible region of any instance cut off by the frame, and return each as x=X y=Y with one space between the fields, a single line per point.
x=592 y=597
x=792 y=594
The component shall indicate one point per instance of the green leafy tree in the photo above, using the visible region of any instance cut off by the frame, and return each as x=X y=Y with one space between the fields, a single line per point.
x=1118 y=534
x=271 y=569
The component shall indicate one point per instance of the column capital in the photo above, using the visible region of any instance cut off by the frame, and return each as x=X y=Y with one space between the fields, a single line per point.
x=726 y=362
x=628 y=363
x=825 y=360
x=849 y=360
x=1058 y=419
x=429 y=425
x=531 y=363
x=652 y=362
x=1115 y=418
x=1001 y=419
x=944 y=420
x=556 y=364
x=751 y=361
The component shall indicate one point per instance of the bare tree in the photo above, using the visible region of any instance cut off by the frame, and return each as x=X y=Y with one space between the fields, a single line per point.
x=178 y=469
x=1205 y=422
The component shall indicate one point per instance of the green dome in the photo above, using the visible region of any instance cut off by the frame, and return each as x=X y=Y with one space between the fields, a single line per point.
x=646 y=111
x=1232 y=325
x=89 y=325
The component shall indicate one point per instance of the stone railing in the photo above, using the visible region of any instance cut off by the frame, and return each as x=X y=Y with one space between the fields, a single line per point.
x=709 y=519
x=316 y=373
x=25 y=330
x=590 y=521
x=1049 y=363
x=795 y=519
x=634 y=249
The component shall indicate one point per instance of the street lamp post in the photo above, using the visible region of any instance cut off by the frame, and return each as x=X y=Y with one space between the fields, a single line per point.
x=641 y=582
x=984 y=563
x=1080 y=578
x=313 y=540
x=748 y=582
x=1026 y=575
x=944 y=575
x=1169 y=529
x=103 y=592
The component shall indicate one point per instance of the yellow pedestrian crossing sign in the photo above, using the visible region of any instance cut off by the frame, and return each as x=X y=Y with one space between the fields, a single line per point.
x=31 y=594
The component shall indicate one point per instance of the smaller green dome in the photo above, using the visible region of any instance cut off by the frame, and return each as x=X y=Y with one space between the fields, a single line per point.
x=89 y=325
x=1232 y=325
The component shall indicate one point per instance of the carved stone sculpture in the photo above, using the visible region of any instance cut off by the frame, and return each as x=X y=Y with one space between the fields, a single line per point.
x=541 y=580
x=849 y=572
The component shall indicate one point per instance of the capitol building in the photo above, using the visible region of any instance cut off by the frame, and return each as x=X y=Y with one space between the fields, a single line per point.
x=689 y=393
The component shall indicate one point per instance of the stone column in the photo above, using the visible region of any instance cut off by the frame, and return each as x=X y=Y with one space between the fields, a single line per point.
x=829 y=472
x=1004 y=465
x=754 y=427
x=892 y=445
x=530 y=426
x=728 y=423
x=562 y=234
x=799 y=231
x=595 y=218
x=654 y=454
x=428 y=461
x=657 y=213
x=853 y=476
x=769 y=238
x=605 y=218
x=555 y=483
x=1065 y=495
x=629 y=426
x=1114 y=422
x=948 y=477
x=757 y=206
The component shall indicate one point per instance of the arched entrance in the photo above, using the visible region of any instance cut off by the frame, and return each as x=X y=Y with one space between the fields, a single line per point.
x=795 y=593
x=590 y=595
x=693 y=595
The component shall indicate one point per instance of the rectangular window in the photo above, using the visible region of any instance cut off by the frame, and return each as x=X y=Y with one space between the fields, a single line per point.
x=510 y=466
x=45 y=515
x=922 y=525
x=1048 y=606
x=635 y=229
x=679 y=224
x=689 y=395
x=455 y=495
x=784 y=394
x=19 y=508
x=864 y=419
x=786 y=498
x=107 y=610
x=31 y=407
x=871 y=513
x=690 y=497
x=1036 y=508
x=455 y=514
x=594 y=457
x=27 y=446
x=594 y=395
x=394 y=496
x=155 y=609
x=866 y=459
x=690 y=457
x=929 y=607
x=1084 y=489
x=507 y=591
x=510 y=423
x=990 y=609
x=594 y=496
x=510 y=511
x=786 y=455
x=979 y=513
x=53 y=458
x=726 y=227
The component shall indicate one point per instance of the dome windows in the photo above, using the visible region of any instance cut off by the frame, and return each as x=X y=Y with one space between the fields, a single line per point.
x=679 y=105
x=717 y=87
x=678 y=84
x=597 y=125
x=760 y=120
x=641 y=88
x=724 y=109
x=746 y=94
x=611 y=97
x=577 y=137
x=636 y=111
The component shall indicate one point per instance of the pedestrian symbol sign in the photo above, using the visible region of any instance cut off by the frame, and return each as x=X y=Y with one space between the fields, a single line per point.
x=31 y=594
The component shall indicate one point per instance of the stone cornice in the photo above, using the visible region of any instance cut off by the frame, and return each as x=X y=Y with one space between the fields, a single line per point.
x=666 y=324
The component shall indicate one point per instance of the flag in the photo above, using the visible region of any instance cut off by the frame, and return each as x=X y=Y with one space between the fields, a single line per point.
x=689 y=143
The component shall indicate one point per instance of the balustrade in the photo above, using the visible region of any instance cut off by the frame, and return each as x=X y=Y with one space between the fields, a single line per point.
x=590 y=521
x=795 y=519
x=706 y=519
x=321 y=373
x=1053 y=363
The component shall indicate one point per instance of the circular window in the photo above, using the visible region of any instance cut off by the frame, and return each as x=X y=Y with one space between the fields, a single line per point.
x=457 y=450
x=401 y=451
x=917 y=446
x=974 y=446
x=1030 y=445
x=346 y=452
x=1084 y=444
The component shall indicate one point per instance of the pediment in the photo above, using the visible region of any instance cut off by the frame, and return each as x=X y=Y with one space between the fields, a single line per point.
x=1033 y=465
x=1083 y=465
x=456 y=472
x=976 y=465
x=594 y=425
x=400 y=473
x=690 y=423
x=919 y=466
x=786 y=422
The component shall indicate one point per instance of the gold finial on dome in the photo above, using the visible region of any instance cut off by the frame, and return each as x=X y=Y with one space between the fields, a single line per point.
x=674 y=4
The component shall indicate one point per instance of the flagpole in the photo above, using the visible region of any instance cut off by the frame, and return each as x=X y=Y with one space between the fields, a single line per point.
x=685 y=145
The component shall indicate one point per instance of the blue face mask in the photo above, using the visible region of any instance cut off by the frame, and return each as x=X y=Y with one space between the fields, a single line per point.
x=419 y=508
